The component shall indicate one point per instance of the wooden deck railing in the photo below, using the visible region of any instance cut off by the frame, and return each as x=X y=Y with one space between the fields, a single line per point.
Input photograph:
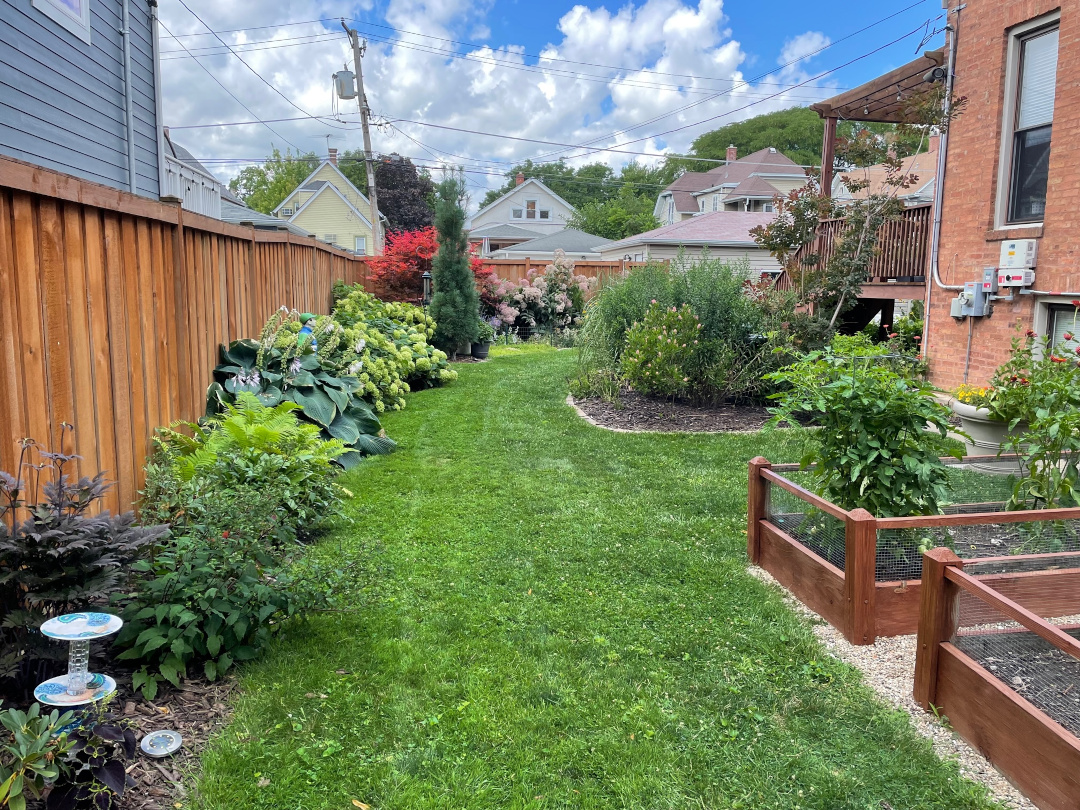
x=902 y=245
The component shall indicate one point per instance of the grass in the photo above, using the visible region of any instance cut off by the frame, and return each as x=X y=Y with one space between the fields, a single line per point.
x=564 y=621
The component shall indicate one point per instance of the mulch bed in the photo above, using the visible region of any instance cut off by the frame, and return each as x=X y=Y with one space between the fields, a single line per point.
x=636 y=412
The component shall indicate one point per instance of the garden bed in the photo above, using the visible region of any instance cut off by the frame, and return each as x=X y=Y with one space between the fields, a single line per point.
x=862 y=573
x=1005 y=670
x=637 y=412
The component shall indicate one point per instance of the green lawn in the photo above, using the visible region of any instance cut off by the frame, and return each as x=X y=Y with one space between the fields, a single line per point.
x=564 y=620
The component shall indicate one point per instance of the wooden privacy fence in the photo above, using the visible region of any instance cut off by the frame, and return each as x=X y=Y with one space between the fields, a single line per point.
x=514 y=270
x=902 y=245
x=970 y=631
x=112 y=307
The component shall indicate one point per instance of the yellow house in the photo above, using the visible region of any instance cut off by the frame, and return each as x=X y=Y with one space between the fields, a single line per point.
x=332 y=208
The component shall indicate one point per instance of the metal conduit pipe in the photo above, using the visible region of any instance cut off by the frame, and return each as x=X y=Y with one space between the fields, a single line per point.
x=939 y=190
x=129 y=102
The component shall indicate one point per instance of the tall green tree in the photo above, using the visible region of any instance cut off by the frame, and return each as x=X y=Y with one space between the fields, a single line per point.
x=626 y=214
x=264 y=187
x=455 y=304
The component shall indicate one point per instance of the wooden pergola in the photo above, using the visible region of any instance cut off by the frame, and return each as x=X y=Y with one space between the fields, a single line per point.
x=885 y=99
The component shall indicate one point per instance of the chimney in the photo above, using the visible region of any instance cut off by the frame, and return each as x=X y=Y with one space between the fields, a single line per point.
x=935 y=143
x=732 y=154
x=520 y=178
x=333 y=154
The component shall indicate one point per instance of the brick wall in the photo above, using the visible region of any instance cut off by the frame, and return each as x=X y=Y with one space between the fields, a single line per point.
x=968 y=241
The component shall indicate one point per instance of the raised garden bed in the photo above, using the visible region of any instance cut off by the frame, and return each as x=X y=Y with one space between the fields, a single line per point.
x=1006 y=677
x=862 y=573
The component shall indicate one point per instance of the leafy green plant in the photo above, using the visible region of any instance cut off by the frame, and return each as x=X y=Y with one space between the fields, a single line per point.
x=282 y=366
x=59 y=559
x=881 y=434
x=211 y=600
x=95 y=763
x=249 y=445
x=659 y=350
x=1037 y=391
x=485 y=333
x=30 y=748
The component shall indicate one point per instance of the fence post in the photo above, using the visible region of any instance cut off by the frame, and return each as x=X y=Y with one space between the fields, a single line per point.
x=860 y=557
x=756 y=501
x=937 y=621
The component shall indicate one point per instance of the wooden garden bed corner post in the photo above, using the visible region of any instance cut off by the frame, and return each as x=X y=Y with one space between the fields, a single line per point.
x=860 y=557
x=937 y=621
x=756 y=501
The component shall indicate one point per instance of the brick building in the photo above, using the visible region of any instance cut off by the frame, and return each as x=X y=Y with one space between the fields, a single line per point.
x=1018 y=64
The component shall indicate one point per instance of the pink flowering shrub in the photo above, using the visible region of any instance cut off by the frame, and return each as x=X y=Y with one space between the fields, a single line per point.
x=660 y=351
x=553 y=298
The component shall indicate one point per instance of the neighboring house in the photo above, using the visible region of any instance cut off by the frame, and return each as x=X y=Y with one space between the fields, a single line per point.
x=79 y=89
x=488 y=239
x=724 y=234
x=332 y=208
x=923 y=166
x=741 y=184
x=530 y=206
x=574 y=243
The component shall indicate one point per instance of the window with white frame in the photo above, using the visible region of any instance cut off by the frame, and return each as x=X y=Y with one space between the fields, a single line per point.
x=545 y=213
x=530 y=209
x=330 y=237
x=701 y=206
x=767 y=208
x=715 y=202
x=361 y=245
x=1030 y=109
x=517 y=213
x=286 y=212
x=671 y=212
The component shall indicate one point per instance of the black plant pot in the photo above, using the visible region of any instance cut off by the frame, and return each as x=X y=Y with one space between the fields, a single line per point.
x=480 y=350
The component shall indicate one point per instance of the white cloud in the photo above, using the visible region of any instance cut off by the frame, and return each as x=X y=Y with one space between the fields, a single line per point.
x=602 y=72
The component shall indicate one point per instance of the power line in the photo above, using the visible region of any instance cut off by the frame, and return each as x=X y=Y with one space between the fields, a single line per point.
x=237 y=100
x=242 y=47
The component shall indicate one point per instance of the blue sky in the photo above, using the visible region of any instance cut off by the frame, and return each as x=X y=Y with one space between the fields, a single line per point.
x=458 y=81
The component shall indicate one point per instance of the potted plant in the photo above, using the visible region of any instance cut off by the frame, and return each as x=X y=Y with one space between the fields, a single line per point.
x=485 y=334
x=979 y=420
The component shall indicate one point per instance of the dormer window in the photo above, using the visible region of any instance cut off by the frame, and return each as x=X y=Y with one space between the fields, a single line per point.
x=530 y=209
x=286 y=212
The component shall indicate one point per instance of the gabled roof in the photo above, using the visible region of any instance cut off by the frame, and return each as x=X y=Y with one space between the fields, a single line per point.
x=241 y=214
x=334 y=189
x=569 y=239
x=502 y=232
x=531 y=180
x=729 y=176
x=757 y=187
x=720 y=228
x=178 y=152
x=314 y=185
x=307 y=180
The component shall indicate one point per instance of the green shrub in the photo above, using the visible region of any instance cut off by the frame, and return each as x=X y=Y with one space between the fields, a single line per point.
x=95 y=766
x=58 y=560
x=881 y=434
x=31 y=746
x=285 y=366
x=212 y=599
x=455 y=302
x=248 y=447
x=660 y=349
x=485 y=333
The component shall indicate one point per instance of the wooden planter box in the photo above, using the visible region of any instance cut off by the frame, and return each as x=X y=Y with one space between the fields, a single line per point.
x=850 y=598
x=1039 y=755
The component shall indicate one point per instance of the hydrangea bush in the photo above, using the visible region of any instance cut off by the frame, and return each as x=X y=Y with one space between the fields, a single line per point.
x=660 y=349
x=554 y=298
x=385 y=345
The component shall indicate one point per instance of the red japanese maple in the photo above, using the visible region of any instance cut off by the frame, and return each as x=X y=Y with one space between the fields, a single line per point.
x=399 y=272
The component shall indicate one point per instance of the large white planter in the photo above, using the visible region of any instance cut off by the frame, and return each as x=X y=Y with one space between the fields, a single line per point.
x=989 y=435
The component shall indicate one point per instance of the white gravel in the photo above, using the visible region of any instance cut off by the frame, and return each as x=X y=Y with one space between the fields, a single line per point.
x=889 y=669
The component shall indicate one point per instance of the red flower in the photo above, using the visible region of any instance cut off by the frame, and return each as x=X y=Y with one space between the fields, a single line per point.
x=1076 y=303
x=1057 y=359
x=1078 y=349
x=917 y=338
x=1068 y=336
x=1030 y=333
x=225 y=534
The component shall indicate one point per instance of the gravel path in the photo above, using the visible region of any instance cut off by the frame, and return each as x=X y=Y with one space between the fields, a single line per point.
x=889 y=668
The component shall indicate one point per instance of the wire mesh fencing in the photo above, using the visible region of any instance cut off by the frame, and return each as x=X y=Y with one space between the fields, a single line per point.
x=1036 y=669
x=818 y=531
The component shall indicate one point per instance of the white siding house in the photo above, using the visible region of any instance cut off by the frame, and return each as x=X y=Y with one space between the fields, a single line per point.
x=530 y=205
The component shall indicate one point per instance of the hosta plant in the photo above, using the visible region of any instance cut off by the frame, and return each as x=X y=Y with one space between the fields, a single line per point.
x=285 y=366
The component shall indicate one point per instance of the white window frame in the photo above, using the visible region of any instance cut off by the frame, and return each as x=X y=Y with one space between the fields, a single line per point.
x=358 y=247
x=545 y=213
x=1017 y=35
x=517 y=213
x=330 y=237
x=59 y=13
x=534 y=210
x=715 y=202
x=767 y=207
x=286 y=212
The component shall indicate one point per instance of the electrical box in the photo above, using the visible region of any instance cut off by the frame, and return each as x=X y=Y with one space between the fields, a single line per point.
x=1016 y=278
x=1018 y=254
x=957 y=307
x=990 y=280
x=345 y=84
x=976 y=301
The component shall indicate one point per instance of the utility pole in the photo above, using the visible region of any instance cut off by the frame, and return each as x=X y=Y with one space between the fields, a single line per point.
x=365 y=111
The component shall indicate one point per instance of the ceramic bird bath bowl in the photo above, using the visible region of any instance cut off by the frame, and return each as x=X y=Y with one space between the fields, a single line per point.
x=79 y=686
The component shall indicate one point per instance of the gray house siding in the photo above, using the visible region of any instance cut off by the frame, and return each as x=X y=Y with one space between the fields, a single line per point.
x=62 y=101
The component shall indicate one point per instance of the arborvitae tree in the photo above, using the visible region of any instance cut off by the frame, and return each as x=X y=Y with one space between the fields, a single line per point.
x=455 y=304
